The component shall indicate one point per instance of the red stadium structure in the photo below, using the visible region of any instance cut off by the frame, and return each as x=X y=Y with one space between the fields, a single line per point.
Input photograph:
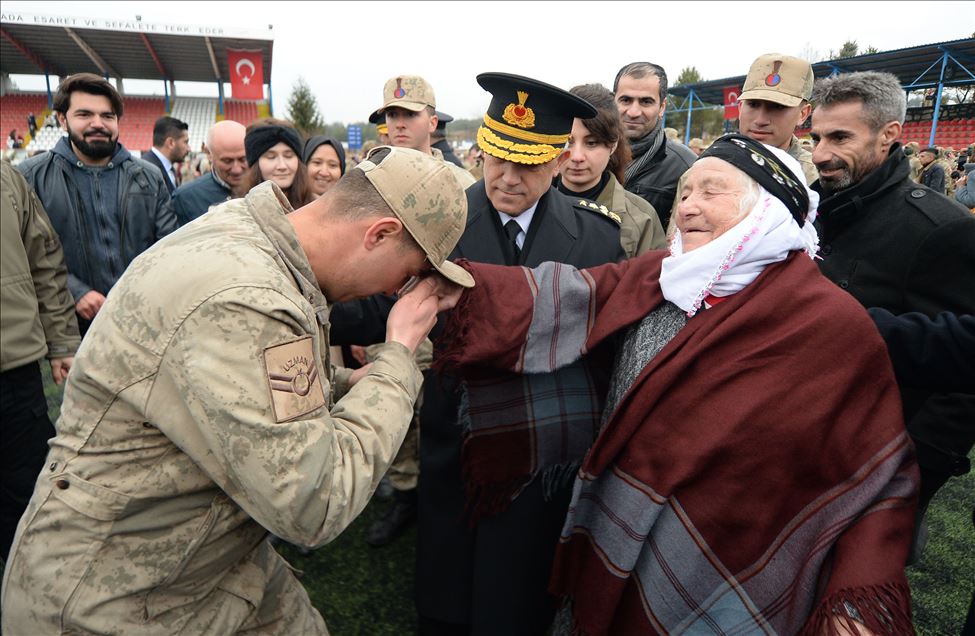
x=930 y=68
x=119 y=49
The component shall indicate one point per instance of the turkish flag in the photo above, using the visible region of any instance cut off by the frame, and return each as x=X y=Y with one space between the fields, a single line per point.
x=731 y=102
x=246 y=74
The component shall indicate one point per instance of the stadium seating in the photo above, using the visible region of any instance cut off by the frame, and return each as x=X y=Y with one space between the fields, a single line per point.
x=238 y=110
x=46 y=139
x=14 y=109
x=135 y=127
x=199 y=113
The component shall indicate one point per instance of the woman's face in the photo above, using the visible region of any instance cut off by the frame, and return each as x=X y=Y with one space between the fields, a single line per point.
x=279 y=163
x=587 y=159
x=324 y=169
x=710 y=202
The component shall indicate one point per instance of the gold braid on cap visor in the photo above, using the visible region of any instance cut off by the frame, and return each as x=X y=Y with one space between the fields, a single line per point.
x=532 y=154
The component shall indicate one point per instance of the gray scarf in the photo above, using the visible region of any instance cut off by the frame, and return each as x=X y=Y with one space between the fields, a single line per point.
x=644 y=148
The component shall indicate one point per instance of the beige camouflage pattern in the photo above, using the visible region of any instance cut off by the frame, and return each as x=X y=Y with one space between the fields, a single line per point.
x=411 y=92
x=171 y=463
x=464 y=177
x=424 y=194
x=404 y=472
x=804 y=157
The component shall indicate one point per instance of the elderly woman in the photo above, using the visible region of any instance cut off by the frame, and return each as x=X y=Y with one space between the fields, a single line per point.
x=752 y=473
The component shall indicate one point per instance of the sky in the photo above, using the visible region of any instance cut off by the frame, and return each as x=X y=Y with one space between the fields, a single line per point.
x=347 y=50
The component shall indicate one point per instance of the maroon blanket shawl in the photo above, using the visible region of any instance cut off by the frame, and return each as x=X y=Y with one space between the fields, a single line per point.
x=757 y=477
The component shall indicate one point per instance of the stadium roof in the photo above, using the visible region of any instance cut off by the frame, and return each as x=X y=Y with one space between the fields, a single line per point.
x=34 y=44
x=916 y=67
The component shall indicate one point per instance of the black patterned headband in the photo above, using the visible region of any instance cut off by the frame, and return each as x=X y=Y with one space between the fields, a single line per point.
x=759 y=163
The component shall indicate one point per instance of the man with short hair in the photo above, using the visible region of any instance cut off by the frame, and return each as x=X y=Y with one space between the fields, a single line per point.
x=932 y=173
x=109 y=205
x=204 y=411
x=410 y=109
x=170 y=144
x=658 y=162
x=774 y=101
x=489 y=517
x=894 y=244
x=228 y=165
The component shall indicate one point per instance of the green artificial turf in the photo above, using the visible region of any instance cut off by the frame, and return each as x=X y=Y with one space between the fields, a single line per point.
x=369 y=591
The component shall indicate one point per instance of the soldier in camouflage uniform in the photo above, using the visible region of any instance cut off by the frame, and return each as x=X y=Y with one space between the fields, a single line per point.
x=202 y=411
x=774 y=100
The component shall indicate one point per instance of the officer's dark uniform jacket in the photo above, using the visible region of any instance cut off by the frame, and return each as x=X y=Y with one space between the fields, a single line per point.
x=657 y=180
x=898 y=245
x=523 y=538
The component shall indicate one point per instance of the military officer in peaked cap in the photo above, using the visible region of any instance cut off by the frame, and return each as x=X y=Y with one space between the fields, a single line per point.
x=485 y=541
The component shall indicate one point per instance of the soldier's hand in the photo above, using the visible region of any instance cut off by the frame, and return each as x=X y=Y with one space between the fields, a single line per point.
x=60 y=368
x=413 y=315
x=89 y=304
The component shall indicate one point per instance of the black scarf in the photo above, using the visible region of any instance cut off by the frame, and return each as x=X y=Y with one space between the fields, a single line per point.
x=759 y=163
x=645 y=148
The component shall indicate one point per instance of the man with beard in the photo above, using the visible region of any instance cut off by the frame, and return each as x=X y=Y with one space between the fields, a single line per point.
x=658 y=162
x=894 y=244
x=107 y=206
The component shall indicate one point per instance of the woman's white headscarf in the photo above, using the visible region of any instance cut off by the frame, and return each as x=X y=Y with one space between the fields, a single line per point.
x=766 y=235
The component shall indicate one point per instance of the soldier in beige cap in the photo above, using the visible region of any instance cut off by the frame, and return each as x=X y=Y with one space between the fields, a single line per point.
x=203 y=411
x=410 y=108
x=774 y=101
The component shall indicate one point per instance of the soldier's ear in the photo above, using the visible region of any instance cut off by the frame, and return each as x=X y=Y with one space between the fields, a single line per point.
x=382 y=231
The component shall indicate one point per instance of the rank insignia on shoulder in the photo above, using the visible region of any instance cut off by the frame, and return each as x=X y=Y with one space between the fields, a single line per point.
x=293 y=378
x=601 y=209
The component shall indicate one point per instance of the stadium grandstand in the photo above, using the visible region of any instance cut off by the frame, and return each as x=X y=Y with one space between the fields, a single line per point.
x=929 y=69
x=120 y=50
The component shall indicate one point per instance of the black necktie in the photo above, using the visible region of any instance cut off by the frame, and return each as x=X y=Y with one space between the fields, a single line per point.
x=512 y=229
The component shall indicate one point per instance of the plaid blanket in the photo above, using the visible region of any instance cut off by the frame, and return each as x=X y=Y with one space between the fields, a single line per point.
x=757 y=477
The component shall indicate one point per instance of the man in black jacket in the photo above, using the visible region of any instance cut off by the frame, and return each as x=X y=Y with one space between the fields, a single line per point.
x=480 y=571
x=894 y=244
x=106 y=205
x=170 y=145
x=658 y=163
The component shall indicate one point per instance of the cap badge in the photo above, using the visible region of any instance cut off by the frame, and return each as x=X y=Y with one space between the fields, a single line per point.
x=519 y=114
x=774 y=78
x=399 y=92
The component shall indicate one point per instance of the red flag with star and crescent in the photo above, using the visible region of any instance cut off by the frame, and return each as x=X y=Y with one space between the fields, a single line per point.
x=731 y=102
x=246 y=74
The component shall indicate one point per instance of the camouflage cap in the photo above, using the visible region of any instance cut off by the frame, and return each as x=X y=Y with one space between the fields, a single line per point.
x=426 y=197
x=782 y=79
x=411 y=92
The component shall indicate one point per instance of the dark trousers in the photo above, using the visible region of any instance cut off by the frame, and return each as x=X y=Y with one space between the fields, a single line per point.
x=26 y=430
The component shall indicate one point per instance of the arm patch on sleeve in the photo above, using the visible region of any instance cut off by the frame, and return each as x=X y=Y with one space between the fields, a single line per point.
x=294 y=379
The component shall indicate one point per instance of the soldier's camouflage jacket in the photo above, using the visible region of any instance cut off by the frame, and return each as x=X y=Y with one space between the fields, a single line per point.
x=200 y=414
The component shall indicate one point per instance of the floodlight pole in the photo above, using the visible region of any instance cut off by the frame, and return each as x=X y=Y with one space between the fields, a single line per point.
x=937 y=100
x=690 y=108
